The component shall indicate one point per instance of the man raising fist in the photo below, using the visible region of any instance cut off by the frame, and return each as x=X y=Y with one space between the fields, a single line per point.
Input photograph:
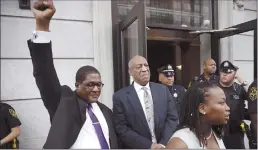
x=78 y=120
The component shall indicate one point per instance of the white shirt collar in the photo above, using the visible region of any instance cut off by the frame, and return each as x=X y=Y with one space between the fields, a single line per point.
x=138 y=87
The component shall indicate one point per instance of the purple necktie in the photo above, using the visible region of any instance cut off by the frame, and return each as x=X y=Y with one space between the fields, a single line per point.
x=96 y=124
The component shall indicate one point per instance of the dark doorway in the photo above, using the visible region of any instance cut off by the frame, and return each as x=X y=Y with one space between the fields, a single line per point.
x=160 y=53
x=177 y=48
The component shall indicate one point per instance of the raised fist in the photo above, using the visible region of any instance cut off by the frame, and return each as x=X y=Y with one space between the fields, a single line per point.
x=43 y=11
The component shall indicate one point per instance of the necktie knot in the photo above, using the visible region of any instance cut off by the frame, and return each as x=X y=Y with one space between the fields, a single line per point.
x=145 y=91
x=145 y=88
x=89 y=106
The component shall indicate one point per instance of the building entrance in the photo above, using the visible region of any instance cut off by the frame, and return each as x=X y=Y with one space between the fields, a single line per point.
x=138 y=34
x=173 y=47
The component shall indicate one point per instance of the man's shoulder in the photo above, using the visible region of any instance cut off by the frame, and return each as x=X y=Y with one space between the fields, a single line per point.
x=238 y=87
x=253 y=84
x=179 y=87
x=157 y=85
x=215 y=77
x=103 y=106
x=6 y=106
x=123 y=91
x=66 y=89
x=196 y=78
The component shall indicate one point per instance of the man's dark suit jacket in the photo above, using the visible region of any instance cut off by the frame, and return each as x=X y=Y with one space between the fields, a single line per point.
x=61 y=102
x=131 y=125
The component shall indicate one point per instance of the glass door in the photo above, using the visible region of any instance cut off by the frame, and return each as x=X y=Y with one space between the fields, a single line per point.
x=132 y=39
x=218 y=34
x=249 y=26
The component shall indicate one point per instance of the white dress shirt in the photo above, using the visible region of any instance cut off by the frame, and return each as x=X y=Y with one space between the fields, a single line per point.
x=87 y=138
x=140 y=93
x=41 y=37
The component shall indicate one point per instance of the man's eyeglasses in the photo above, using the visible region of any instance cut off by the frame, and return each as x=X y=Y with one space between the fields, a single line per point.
x=91 y=85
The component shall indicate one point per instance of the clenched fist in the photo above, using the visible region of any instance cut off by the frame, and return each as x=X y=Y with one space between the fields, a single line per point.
x=43 y=11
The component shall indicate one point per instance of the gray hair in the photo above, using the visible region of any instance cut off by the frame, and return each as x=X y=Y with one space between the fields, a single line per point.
x=130 y=63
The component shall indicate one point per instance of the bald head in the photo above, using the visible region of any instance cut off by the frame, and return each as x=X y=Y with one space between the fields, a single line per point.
x=136 y=59
x=209 y=66
x=139 y=70
x=208 y=61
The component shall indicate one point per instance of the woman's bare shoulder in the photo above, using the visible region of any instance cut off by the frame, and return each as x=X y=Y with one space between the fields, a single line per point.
x=176 y=142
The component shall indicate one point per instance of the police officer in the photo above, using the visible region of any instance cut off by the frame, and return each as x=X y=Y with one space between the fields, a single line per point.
x=9 y=127
x=209 y=69
x=166 y=77
x=252 y=109
x=236 y=96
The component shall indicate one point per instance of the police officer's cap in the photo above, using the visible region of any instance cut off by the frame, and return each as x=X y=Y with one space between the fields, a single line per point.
x=167 y=70
x=227 y=67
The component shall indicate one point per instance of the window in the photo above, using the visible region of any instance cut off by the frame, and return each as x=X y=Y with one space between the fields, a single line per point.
x=171 y=13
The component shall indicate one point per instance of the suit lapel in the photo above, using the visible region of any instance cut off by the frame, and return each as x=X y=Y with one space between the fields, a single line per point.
x=156 y=103
x=73 y=116
x=137 y=106
x=75 y=109
x=106 y=115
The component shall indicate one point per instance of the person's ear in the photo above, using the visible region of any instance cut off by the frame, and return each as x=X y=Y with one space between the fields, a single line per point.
x=202 y=108
x=204 y=67
x=77 y=85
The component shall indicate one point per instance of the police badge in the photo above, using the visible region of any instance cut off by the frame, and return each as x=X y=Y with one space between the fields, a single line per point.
x=170 y=67
x=226 y=64
x=175 y=95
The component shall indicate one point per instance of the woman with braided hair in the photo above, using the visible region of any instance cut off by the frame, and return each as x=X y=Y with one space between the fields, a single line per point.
x=203 y=113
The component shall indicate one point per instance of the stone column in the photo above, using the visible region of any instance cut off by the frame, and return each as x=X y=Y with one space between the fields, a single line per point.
x=103 y=49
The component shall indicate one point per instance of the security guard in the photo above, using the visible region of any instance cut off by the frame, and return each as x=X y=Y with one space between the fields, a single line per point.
x=252 y=109
x=236 y=96
x=209 y=69
x=9 y=127
x=166 y=77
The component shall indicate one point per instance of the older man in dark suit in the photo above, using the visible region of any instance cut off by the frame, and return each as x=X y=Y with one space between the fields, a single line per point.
x=78 y=120
x=144 y=112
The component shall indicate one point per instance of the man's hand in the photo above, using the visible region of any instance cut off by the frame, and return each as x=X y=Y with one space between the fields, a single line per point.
x=239 y=77
x=43 y=11
x=157 y=146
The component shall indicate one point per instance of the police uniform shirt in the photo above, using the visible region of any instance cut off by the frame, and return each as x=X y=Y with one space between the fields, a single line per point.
x=8 y=120
x=252 y=98
x=236 y=96
x=177 y=91
x=213 y=79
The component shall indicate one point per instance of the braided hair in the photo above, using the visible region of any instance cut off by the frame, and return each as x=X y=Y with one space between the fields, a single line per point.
x=190 y=115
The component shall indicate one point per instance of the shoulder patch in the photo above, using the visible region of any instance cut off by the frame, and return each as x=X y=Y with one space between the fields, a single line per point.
x=253 y=94
x=13 y=113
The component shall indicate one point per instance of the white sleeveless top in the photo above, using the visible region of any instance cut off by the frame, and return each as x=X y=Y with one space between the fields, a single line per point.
x=191 y=140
